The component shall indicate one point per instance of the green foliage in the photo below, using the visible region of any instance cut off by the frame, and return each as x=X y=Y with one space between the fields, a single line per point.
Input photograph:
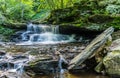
x=41 y=15
x=5 y=31
x=115 y=23
x=24 y=10
x=17 y=9
x=113 y=9
x=52 y=4
x=2 y=18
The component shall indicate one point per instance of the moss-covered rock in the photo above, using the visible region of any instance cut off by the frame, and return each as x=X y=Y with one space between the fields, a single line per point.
x=63 y=15
x=42 y=65
x=100 y=18
x=91 y=14
x=112 y=63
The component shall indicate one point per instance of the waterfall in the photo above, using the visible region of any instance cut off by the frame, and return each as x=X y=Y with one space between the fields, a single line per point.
x=45 y=34
x=61 y=60
x=42 y=28
x=61 y=69
x=13 y=65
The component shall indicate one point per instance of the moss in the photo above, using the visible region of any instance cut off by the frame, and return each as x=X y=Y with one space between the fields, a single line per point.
x=99 y=68
x=113 y=9
x=63 y=16
x=6 y=32
x=80 y=10
x=40 y=60
x=40 y=16
x=85 y=13
x=115 y=23
x=111 y=62
x=100 y=18
x=34 y=63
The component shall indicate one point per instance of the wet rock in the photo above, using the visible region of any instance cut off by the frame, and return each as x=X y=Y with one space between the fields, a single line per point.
x=20 y=57
x=16 y=37
x=41 y=65
x=2 y=53
x=5 y=65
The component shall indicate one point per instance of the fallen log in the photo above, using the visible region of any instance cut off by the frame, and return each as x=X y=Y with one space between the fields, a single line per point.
x=15 y=25
x=91 y=48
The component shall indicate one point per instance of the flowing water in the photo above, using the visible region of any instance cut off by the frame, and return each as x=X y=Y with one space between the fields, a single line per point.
x=12 y=66
x=44 y=34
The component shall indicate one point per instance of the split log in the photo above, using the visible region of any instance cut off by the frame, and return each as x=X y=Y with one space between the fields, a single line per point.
x=91 y=48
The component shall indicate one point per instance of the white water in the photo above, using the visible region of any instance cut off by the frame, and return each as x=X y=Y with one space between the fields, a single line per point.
x=61 y=69
x=44 y=34
x=13 y=65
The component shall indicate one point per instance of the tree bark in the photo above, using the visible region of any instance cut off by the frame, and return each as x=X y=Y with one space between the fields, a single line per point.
x=91 y=48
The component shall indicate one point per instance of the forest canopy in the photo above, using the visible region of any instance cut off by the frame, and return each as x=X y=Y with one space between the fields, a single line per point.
x=21 y=10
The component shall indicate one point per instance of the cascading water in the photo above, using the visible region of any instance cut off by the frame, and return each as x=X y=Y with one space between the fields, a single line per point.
x=13 y=65
x=44 y=34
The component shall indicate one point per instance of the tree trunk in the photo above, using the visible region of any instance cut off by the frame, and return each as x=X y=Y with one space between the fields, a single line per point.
x=91 y=48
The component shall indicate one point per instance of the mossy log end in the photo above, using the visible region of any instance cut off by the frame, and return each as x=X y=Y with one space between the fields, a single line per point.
x=91 y=48
x=15 y=25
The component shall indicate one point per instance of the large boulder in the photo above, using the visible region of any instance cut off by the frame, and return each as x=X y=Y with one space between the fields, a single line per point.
x=111 y=62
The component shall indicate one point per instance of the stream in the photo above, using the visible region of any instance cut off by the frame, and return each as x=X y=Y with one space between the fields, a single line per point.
x=44 y=34
x=39 y=44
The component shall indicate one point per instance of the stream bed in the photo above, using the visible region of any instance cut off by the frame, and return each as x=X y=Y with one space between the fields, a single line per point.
x=20 y=55
x=41 y=50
